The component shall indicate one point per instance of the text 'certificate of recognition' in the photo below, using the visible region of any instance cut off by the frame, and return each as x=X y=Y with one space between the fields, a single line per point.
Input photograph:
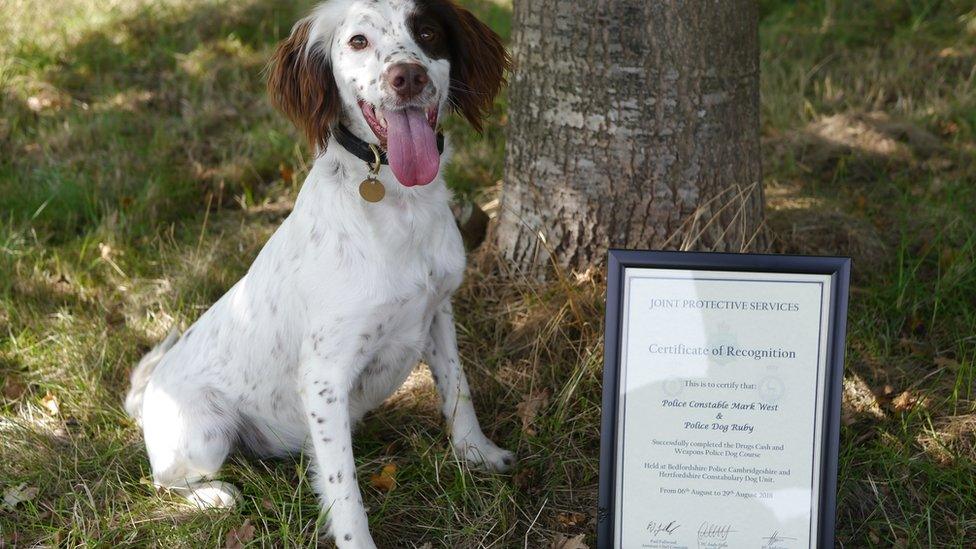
x=721 y=393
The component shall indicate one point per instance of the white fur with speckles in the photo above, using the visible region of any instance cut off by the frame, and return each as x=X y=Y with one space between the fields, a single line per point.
x=340 y=305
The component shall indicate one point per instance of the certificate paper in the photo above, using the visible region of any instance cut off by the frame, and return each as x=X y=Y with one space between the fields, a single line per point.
x=720 y=408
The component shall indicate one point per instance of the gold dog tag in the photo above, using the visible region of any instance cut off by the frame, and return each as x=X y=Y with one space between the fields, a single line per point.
x=372 y=190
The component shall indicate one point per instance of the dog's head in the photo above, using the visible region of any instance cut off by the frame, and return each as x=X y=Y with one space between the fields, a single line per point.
x=389 y=70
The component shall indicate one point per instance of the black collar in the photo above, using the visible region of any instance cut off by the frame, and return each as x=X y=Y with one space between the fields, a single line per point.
x=362 y=150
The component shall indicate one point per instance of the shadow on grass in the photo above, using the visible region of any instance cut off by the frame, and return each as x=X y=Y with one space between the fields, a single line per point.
x=92 y=490
x=151 y=113
x=861 y=148
x=875 y=187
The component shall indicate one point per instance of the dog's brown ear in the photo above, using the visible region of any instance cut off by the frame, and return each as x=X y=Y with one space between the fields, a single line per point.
x=478 y=64
x=301 y=85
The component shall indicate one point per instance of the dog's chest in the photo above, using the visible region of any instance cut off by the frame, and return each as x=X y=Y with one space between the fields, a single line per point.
x=378 y=293
x=394 y=331
x=371 y=277
x=398 y=319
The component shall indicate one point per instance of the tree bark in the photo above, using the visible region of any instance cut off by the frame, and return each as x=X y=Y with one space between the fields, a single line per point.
x=633 y=123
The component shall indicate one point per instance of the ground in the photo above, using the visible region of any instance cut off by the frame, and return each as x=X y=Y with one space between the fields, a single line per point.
x=141 y=169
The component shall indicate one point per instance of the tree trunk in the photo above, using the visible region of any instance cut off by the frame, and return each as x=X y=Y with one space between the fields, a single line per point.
x=633 y=123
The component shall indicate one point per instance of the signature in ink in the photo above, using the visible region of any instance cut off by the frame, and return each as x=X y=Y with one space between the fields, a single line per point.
x=774 y=539
x=714 y=532
x=656 y=528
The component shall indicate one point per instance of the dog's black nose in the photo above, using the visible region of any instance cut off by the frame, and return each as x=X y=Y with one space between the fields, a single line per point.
x=407 y=79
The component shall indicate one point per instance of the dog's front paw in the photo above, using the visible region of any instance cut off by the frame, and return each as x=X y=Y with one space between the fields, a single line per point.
x=212 y=495
x=483 y=453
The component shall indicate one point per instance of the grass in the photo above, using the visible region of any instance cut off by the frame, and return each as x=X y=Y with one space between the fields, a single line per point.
x=141 y=169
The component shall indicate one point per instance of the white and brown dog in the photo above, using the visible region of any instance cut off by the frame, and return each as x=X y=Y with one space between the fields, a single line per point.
x=347 y=295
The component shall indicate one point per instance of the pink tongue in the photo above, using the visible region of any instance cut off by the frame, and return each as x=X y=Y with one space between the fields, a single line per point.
x=411 y=147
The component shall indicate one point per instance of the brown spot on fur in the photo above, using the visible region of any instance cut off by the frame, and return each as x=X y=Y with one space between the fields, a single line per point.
x=478 y=57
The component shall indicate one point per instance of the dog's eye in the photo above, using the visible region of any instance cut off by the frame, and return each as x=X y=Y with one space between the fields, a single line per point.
x=428 y=34
x=358 y=42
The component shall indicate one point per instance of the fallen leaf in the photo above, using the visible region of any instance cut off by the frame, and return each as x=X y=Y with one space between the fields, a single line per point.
x=910 y=346
x=906 y=401
x=571 y=519
x=61 y=284
x=287 y=174
x=949 y=52
x=524 y=479
x=948 y=128
x=18 y=494
x=587 y=276
x=575 y=542
x=115 y=315
x=13 y=388
x=946 y=362
x=50 y=403
x=386 y=480
x=240 y=536
x=45 y=100
x=529 y=409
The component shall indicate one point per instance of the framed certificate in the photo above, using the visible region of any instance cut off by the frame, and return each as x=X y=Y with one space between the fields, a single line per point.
x=721 y=401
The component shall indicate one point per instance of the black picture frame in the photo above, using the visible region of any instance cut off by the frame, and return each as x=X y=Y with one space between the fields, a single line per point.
x=839 y=268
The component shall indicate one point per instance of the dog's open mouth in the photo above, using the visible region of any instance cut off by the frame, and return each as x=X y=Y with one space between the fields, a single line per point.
x=408 y=135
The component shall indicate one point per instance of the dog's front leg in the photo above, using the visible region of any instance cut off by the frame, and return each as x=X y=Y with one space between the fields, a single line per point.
x=462 y=423
x=326 y=399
